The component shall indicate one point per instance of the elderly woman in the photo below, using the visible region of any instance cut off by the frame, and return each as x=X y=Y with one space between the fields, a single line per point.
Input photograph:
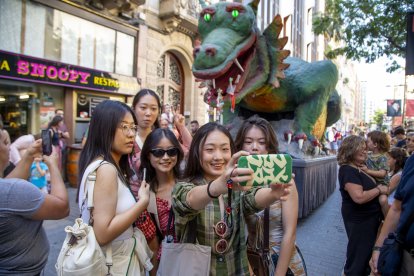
x=23 y=207
x=361 y=210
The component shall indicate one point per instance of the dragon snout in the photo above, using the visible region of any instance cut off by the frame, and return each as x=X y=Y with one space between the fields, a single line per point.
x=208 y=51
x=196 y=50
x=211 y=51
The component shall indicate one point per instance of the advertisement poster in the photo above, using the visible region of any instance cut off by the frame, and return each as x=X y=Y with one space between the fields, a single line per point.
x=393 y=108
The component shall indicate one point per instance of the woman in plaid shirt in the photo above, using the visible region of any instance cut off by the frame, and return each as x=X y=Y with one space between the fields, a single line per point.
x=205 y=195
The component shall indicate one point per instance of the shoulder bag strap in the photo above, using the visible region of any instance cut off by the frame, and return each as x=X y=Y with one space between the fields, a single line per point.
x=192 y=231
x=90 y=183
x=265 y=248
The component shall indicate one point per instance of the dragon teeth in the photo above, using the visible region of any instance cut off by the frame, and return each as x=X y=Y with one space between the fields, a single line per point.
x=214 y=83
x=237 y=79
x=238 y=65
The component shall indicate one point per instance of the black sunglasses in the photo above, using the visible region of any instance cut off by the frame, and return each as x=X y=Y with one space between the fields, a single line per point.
x=160 y=152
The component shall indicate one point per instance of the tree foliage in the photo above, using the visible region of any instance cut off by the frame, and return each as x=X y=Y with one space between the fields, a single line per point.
x=369 y=29
x=378 y=118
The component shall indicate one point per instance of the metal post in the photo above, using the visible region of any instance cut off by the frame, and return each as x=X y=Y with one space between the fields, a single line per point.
x=403 y=105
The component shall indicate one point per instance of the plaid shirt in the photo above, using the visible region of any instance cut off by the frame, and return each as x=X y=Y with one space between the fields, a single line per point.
x=377 y=163
x=243 y=204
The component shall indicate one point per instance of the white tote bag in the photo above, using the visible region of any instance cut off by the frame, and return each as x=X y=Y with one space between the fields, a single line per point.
x=81 y=254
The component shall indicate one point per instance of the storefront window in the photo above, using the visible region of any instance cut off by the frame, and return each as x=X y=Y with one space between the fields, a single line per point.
x=105 y=49
x=70 y=38
x=59 y=36
x=35 y=21
x=124 y=46
x=10 y=25
x=87 y=47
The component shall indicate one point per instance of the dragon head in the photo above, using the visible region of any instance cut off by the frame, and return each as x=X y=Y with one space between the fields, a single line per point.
x=228 y=33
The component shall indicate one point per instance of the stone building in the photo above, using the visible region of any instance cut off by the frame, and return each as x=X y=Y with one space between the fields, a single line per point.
x=72 y=54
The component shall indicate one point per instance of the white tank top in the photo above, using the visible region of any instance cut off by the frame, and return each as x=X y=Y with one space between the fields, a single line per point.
x=124 y=202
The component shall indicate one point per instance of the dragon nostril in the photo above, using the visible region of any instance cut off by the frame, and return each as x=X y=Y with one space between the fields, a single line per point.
x=196 y=50
x=210 y=51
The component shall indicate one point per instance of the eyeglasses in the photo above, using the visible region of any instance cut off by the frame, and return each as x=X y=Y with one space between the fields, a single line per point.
x=161 y=152
x=126 y=129
x=221 y=230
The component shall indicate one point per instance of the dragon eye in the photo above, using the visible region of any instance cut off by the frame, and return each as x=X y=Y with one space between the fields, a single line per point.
x=207 y=17
x=235 y=14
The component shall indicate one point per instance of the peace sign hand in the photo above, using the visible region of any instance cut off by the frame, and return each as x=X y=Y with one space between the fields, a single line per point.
x=179 y=119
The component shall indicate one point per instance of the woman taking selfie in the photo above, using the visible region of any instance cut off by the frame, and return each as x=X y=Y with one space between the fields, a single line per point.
x=211 y=195
x=160 y=163
x=110 y=142
x=256 y=136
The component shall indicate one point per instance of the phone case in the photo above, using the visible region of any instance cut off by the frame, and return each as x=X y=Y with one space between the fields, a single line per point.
x=46 y=142
x=268 y=168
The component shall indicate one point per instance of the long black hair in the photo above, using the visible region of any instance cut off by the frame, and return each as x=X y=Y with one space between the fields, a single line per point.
x=194 y=170
x=55 y=121
x=142 y=93
x=102 y=128
x=150 y=143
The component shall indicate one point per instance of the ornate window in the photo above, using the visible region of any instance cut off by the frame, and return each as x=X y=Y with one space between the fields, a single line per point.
x=170 y=81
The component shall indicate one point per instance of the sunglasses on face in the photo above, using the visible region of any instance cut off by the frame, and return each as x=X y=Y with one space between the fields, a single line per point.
x=161 y=152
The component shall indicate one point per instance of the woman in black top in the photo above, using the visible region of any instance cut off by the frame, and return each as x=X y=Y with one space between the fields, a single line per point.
x=361 y=210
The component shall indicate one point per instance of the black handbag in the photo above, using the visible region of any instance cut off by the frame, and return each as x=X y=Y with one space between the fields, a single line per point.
x=391 y=253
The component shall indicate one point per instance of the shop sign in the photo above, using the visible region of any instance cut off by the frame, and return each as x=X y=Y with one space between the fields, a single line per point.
x=25 y=68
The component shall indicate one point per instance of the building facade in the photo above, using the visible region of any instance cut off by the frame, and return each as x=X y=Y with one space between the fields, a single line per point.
x=75 y=54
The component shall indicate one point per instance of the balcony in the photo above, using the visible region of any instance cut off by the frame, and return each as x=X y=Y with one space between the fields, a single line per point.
x=180 y=15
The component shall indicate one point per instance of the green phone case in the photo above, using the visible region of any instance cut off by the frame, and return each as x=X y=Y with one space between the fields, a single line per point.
x=268 y=168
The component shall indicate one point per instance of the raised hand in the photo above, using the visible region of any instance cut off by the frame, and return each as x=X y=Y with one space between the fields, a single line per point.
x=178 y=119
x=52 y=159
x=144 y=192
x=35 y=149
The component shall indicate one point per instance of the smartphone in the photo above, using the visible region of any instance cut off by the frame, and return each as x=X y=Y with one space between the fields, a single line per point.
x=46 y=142
x=268 y=168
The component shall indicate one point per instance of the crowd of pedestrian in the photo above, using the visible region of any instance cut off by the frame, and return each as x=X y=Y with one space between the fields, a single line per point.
x=157 y=179
x=377 y=184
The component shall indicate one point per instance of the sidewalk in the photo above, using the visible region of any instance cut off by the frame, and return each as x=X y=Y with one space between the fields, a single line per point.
x=321 y=237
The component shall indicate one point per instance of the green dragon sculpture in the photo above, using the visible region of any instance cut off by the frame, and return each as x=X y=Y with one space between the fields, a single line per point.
x=249 y=70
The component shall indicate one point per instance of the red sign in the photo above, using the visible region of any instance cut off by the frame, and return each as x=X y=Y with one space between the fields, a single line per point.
x=409 y=105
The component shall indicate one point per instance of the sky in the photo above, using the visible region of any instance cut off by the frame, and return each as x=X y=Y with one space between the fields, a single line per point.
x=380 y=84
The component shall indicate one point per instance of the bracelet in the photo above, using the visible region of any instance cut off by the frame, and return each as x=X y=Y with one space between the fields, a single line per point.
x=376 y=248
x=208 y=190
